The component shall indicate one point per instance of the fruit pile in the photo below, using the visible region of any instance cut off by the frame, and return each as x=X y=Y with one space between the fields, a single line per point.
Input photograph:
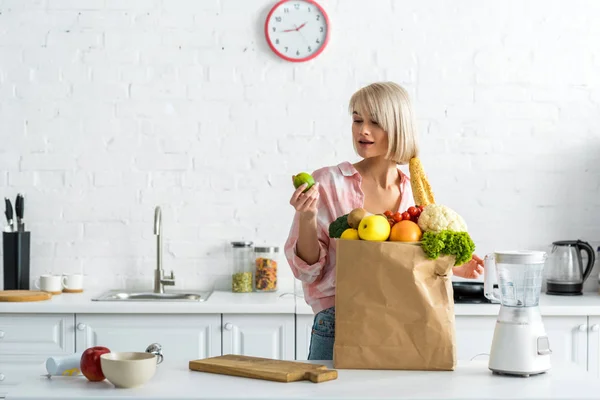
x=411 y=214
x=437 y=228
x=360 y=225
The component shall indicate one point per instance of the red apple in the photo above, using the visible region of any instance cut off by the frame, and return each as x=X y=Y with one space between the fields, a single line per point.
x=90 y=363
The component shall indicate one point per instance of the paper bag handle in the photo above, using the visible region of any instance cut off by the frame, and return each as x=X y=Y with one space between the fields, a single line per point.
x=321 y=375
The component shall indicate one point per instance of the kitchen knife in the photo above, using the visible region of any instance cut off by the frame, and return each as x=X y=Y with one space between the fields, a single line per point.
x=8 y=211
x=19 y=208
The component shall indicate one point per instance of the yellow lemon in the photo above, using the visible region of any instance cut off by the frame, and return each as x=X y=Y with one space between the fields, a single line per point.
x=375 y=228
x=350 y=234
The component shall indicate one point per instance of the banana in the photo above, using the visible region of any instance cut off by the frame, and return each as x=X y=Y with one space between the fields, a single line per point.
x=421 y=188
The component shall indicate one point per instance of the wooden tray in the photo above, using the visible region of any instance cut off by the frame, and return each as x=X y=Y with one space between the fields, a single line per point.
x=24 y=295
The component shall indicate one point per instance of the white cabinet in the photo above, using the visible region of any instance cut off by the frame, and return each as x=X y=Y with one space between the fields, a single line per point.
x=474 y=336
x=183 y=337
x=27 y=340
x=568 y=338
x=594 y=345
x=259 y=335
x=35 y=337
x=304 y=325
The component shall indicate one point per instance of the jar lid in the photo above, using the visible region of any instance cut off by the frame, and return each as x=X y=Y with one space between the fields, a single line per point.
x=241 y=244
x=266 y=249
x=520 y=257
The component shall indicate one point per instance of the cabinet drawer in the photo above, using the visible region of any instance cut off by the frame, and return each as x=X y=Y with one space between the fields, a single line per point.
x=260 y=335
x=183 y=337
x=36 y=337
x=14 y=373
x=9 y=375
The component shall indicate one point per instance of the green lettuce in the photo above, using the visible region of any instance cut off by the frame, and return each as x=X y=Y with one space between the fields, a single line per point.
x=458 y=244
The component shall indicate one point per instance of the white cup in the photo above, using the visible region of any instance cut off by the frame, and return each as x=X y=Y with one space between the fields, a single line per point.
x=72 y=281
x=49 y=283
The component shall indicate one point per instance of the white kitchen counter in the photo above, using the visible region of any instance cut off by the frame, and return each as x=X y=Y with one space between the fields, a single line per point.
x=471 y=380
x=218 y=302
x=587 y=304
x=281 y=302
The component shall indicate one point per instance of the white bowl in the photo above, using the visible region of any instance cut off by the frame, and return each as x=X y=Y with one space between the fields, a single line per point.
x=128 y=370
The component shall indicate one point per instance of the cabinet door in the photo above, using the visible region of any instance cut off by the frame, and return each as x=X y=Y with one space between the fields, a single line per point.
x=35 y=337
x=304 y=325
x=27 y=340
x=474 y=336
x=594 y=346
x=568 y=338
x=259 y=335
x=182 y=337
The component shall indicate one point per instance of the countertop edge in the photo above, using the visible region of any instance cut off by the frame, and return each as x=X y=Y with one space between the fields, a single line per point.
x=281 y=302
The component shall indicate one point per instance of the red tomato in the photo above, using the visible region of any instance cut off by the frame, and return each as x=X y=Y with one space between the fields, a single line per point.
x=406 y=215
x=421 y=208
x=413 y=211
x=388 y=213
x=397 y=217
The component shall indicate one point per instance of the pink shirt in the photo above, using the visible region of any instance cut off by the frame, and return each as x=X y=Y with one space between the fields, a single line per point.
x=339 y=193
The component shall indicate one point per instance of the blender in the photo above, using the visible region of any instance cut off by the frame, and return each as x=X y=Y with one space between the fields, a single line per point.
x=520 y=345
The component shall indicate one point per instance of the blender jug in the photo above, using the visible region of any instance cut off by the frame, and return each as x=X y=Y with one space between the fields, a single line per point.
x=519 y=276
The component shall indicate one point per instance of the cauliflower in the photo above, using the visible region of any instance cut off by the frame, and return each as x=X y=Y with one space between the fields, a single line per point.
x=437 y=217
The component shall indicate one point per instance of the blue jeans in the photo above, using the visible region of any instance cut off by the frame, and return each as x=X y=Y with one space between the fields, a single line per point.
x=322 y=336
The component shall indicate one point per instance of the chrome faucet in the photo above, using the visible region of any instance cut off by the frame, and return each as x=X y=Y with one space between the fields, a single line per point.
x=160 y=281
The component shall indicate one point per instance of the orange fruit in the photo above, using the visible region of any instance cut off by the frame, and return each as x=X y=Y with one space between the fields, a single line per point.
x=405 y=231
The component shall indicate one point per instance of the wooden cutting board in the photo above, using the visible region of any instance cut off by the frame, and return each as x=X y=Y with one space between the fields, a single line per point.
x=264 y=368
x=24 y=295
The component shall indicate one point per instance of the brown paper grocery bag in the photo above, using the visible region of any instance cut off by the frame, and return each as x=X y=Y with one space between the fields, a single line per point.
x=394 y=308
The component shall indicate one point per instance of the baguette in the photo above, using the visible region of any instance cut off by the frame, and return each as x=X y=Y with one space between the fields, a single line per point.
x=421 y=188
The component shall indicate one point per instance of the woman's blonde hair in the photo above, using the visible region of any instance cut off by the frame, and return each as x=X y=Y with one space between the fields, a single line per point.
x=389 y=104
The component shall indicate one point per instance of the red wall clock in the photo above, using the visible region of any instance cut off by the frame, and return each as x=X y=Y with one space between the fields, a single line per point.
x=297 y=30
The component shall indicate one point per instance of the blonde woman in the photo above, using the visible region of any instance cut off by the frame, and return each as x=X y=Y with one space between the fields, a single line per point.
x=384 y=136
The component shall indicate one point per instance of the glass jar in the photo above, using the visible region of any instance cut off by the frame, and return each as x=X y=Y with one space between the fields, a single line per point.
x=241 y=277
x=265 y=274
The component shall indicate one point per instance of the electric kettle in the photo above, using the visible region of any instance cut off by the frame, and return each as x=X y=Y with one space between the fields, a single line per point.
x=564 y=272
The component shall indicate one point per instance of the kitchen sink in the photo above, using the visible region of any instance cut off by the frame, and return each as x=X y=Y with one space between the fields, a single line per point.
x=126 y=295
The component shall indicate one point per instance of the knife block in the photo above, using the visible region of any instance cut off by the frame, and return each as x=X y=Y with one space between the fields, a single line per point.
x=15 y=257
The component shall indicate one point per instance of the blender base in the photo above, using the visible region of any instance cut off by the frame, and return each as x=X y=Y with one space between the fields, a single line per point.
x=517 y=374
x=520 y=346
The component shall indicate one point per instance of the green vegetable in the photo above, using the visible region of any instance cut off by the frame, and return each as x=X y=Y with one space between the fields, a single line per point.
x=337 y=227
x=458 y=244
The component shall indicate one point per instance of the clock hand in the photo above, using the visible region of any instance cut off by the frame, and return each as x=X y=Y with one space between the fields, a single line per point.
x=303 y=38
x=300 y=27
x=290 y=30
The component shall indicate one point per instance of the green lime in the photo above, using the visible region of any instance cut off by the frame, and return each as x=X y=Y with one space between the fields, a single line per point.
x=302 y=178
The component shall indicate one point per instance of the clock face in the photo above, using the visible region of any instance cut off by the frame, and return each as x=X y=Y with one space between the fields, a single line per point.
x=297 y=30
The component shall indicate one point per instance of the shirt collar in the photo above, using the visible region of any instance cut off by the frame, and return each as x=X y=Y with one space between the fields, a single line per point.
x=347 y=169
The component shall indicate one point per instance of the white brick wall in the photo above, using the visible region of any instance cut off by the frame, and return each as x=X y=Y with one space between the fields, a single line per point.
x=109 y=108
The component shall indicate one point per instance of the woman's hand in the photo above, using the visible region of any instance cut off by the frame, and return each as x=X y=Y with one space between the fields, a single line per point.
x=471 y=269
x=306 y=203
